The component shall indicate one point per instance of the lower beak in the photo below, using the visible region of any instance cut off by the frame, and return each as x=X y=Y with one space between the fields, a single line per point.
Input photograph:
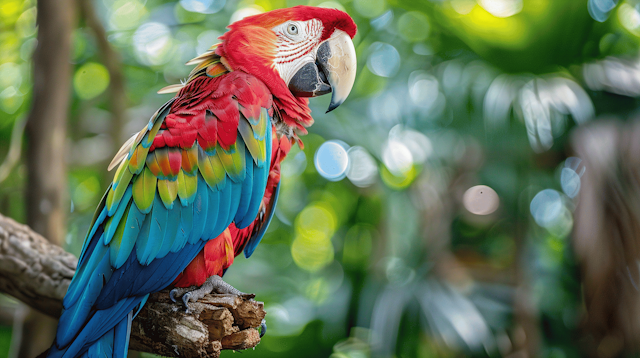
x=333 y=71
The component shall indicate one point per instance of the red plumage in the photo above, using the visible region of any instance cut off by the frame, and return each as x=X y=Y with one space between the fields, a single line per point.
x=190 y=117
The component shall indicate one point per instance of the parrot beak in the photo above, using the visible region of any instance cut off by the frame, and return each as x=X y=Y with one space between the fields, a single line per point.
x=334 y=71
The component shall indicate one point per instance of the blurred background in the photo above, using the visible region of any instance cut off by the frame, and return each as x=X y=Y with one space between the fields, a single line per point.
x=478 y=194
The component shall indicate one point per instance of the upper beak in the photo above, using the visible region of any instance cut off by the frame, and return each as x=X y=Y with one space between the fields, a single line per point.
x=333 y=71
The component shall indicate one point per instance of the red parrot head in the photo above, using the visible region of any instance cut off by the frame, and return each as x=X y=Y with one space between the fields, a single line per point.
x=301 y=51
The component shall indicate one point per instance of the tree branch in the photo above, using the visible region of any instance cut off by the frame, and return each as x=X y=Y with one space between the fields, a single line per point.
x=39 y=273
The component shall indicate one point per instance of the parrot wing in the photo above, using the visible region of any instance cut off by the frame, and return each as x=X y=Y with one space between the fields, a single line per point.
x=261 y=224
x=200 y=164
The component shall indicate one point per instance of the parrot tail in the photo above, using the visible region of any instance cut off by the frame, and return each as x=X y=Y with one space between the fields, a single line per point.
x=113 y=344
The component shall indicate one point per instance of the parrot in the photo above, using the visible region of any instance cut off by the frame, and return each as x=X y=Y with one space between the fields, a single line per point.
x=199 y=183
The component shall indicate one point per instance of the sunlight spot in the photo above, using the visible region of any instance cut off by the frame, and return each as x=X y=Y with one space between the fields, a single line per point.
x=501 y=8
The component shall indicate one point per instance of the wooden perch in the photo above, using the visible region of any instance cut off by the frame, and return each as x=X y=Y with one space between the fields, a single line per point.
x=38 y=273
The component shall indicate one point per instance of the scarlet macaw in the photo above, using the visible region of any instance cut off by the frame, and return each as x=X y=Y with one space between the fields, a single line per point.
x=198 y=185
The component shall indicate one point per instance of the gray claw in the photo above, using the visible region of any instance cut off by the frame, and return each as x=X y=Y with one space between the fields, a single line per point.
x=185 y=298
x=172 y=295
x=263 y=328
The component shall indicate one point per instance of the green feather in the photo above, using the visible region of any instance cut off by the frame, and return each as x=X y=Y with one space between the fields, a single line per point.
x=260 y=126
x=120 y=184
x=148 y=138
x=190 y=159
x=144 y=190
x=187 y=187
x=168 y=190
x=211 y=169
x=137 y=160
x=116 y=241
x=256 y=147
x=234 y=163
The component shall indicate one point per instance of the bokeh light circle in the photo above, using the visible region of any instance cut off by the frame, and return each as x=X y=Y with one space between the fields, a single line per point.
x=599 y=10
x=363 y=170
x=424 y=90
x=481 y=200
x=413 y=26
x=203 y=6
x=397 y=157
x=244 y=12
x=384 y=59
x=370 y=8
x=570 y=181
x=90 y=80
x=314 y=226
x=152 y=43
x=206 y=39
x=331 y=160
x=501 y=8
x=546 y=207
x=570 y=176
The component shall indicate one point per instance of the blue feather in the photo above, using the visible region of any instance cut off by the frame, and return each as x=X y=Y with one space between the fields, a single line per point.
x=170 y=234
x=225 y=203
x=234 y=203
x=200 y=206
x=186 y=225
x=102 y=348
x=142 y=241
x=260 y=177
x=85 y=272
x=255 y=240
x=101 y=322
x=247 y=189
x=97 y=222
x=159 y=215
x=110 y=229
x=121 y=334
x=135 y=219
x=161 y=272
x=75 y=315
x=213 y=213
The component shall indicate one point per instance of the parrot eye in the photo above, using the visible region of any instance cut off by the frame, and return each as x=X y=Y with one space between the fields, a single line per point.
x=292 y=29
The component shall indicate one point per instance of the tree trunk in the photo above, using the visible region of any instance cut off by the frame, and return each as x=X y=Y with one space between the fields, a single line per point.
x=606 y=236
x=46 y=149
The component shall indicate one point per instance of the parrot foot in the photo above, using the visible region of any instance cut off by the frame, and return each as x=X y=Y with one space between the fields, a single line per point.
x=212 y=284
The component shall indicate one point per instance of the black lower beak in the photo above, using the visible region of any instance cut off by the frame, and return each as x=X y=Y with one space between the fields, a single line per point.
x=310 y=81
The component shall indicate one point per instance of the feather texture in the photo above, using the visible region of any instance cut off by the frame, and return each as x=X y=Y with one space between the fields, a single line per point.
x=170 y=195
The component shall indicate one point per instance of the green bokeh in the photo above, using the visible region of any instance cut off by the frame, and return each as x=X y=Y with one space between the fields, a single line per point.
x=90 y=80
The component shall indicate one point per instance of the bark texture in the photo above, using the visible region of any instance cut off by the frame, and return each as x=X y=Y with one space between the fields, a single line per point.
x=39 y=273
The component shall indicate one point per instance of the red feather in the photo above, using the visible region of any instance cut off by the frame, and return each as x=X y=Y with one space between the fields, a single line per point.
x=208 y=109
